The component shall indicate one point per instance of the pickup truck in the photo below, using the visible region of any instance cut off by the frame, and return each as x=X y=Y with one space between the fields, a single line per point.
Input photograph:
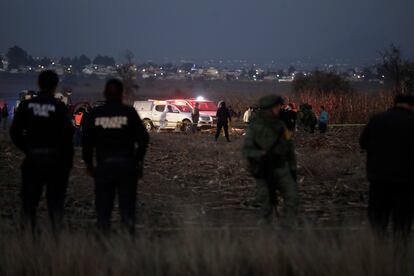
x=207 y=108
x=151 y=112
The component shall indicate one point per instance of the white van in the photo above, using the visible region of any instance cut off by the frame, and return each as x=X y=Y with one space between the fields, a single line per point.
x=152 y=112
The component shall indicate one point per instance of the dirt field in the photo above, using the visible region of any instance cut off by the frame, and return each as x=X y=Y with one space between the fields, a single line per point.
x=198 y=217
x=192 y=180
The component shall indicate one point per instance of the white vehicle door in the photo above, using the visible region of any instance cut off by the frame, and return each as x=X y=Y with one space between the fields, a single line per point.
x=173 y=116
x=157 y=114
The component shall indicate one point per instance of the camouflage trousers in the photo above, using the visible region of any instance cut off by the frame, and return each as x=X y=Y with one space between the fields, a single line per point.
x=279 y=180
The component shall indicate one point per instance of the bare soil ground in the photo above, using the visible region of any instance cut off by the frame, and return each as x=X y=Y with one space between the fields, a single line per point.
x=192 y=180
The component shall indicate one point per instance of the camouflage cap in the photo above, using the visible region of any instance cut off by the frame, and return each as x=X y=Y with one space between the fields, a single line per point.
x=270 y=101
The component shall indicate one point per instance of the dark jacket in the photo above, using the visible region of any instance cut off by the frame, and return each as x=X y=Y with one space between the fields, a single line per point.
x=43 y=124
x=267 y=135
x=195 y=115
x=114 y=131
x=289 y=118
x=389 y=141
x=223 y=115
x=5 y=112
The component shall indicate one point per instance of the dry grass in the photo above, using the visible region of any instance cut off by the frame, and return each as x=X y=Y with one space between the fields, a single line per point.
x=346 y=109
x=202 y=252
x=355 y=108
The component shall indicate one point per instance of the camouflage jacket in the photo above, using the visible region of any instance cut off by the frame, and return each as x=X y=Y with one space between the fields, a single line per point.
x=260 y=142
x=309 y=118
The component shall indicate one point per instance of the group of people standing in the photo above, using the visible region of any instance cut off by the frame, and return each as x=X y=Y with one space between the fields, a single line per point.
x=388 y=139
x=304 y=118
x=114 y=144
x=308 y=120
x=223 y=117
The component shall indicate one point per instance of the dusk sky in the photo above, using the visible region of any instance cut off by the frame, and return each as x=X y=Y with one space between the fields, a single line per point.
x=198 y=29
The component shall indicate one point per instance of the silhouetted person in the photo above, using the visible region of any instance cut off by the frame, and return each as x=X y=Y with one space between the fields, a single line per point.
x=116 y=134
x=389 y=141
x=78 y=121
x=4 y=116
x=223 y=119
x=312 y=119
x=307 y=118
x=42 y=129
x=195 y=115
x=289 y=116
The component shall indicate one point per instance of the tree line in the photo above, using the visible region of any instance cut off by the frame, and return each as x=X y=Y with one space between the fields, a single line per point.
x=396 y=72
x=18 y=57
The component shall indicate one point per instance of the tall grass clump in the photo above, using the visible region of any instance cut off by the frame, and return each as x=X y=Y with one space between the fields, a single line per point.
x=347 y=108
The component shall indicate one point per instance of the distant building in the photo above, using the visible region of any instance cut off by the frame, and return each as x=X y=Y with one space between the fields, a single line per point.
x=286 y=79
x=212 y=72
x=99 y=70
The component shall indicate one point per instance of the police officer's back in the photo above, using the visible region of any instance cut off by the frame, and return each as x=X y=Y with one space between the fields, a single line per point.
x=43 y=131
x=389 y=141
x=116 y=134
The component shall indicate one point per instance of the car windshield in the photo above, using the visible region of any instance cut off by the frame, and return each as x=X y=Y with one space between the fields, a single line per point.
x=184 y=108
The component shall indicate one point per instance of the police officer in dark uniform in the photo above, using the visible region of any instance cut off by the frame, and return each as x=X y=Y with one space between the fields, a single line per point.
x=42 y=129
x=116 y=134
x=195 y=115
x=289 y=116
x=223 y=119
x=389 y=141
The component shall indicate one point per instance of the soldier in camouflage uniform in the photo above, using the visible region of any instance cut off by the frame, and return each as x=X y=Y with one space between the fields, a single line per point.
x=270 y=152
x=307 y=118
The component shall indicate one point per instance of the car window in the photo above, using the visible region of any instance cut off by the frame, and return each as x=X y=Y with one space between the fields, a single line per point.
x=160 y=108
x=174 y=109
x=184 y=108
x=206 y=106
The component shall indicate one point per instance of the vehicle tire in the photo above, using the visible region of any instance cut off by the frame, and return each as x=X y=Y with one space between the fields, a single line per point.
x=187 y=126
x=148 y=125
